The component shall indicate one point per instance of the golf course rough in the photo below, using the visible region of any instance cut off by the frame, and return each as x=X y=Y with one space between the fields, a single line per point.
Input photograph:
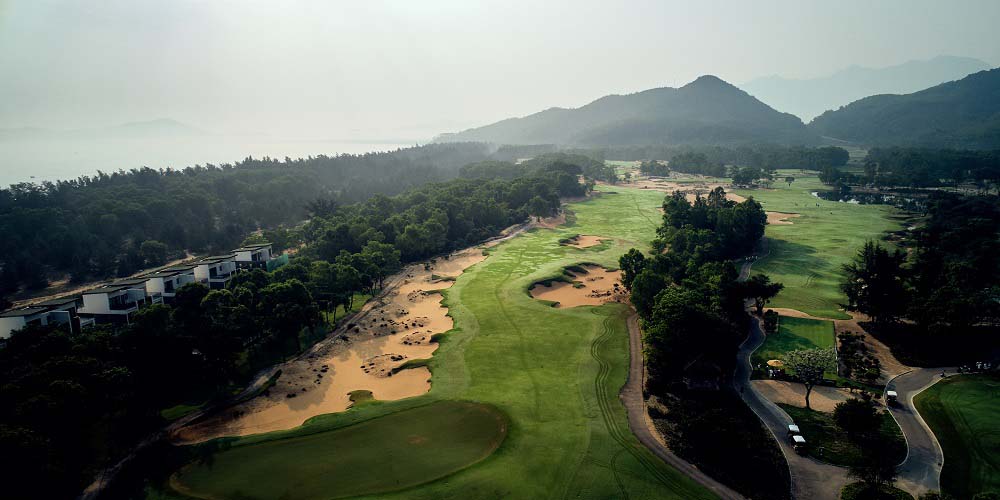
x=555 y=373
x=964 y=412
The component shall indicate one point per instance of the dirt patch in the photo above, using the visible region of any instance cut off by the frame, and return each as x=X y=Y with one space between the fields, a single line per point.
x=791 y=393
x=690 y=189
x=780 y=218
x=395 y=328
x=594 y=287
x=584 y=241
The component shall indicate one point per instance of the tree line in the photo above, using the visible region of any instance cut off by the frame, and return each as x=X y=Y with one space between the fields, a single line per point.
x=113 y=224
x=944 y=294
x=922 y=168
x=690 y=301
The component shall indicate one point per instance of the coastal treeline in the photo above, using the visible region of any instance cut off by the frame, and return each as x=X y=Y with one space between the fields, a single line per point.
x=691 y=305
x=112 y=224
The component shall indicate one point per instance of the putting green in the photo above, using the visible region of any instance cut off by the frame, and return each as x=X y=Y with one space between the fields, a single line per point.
x=555 y=373
x=389 y=453
x=807 y=255
x=795 y=334
x=963 y=412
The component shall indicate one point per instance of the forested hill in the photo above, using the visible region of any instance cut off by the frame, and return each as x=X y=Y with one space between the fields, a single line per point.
x=113 y=224
x=705 y=111
x=964 y=114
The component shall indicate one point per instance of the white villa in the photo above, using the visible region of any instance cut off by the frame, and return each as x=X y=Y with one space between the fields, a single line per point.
x=167 y=281
x=117 y=301
x=216 y=271
x=62 y=311
x=253 y=256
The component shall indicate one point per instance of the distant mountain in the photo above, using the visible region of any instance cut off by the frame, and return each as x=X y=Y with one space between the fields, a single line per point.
x=705 y=111
x=161 y=128
x=962 y=114
x=809 y=98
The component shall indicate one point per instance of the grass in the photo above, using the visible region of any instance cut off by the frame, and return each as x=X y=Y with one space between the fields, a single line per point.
x=181 y=410
x=963 y=411
x=807 y=255
x=859 y=491
x=410 y=447
x=795 y=334
x=555 y=373
x=828 y=443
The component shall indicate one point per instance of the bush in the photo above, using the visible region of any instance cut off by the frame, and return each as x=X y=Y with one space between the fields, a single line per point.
x=770 y=321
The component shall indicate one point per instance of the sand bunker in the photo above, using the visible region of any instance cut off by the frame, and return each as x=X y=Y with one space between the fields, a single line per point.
x=791 y=393
x=584 y=241
x=364 y=355
x=780 y=218
x=594 y=287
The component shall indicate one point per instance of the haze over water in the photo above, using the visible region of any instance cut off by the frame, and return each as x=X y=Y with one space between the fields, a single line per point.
x=47 y=160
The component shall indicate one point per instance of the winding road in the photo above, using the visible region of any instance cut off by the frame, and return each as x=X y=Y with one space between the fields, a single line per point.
x=920 y=471
x=638 y=418
x=811 y=479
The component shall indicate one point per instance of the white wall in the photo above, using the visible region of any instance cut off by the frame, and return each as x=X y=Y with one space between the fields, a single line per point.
x=96 y=303
x=8 y=325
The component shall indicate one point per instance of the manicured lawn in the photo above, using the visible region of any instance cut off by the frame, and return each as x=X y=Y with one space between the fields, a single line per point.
x=794 y=334
x=964 y=413
x=389 y=453
x=828 y=443
x=807 y=255
x=555 y=374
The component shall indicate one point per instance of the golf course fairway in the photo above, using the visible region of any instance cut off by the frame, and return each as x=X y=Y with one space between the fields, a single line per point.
x=807 y=255
x=962 y=411
x=554 y=373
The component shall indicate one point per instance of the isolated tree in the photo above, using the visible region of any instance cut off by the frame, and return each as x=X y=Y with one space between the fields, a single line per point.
x=631 y=264
x=874 y=283
x=809 y=366
x=876 y=467
x=789 y=179
x=857 y=417
x=760 y=288
x=770 y=321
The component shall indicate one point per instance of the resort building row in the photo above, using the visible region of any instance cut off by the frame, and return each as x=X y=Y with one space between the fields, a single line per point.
x=115 y=302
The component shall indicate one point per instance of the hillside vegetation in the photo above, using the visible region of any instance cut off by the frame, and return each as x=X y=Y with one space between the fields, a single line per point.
x=959 y=114
x=705 y=111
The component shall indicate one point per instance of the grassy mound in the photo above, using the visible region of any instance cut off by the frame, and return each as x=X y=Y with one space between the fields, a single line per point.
x=396 y=451
x=963 y=411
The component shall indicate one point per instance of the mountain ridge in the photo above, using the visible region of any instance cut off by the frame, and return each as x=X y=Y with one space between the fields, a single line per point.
x=706 y=110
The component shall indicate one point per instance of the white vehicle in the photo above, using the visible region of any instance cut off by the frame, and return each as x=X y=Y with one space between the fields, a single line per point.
x=793 y=430
x=799 y=443
x=891 y=397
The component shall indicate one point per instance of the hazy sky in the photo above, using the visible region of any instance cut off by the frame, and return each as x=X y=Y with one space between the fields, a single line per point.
x=408 y=69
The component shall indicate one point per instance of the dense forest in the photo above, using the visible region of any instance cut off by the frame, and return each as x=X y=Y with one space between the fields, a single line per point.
x=113 y=224
x=940 y=305
x=71 y=404
x=762 y=156
x=961 y=114
x=921 y=168
x=692 y=308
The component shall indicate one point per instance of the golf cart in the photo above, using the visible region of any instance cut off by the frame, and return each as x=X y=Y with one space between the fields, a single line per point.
x=799 y=444
x=793 y=430
x=891 y=398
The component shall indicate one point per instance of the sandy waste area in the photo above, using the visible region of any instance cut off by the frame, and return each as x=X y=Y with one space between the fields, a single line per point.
x=585 y=241
x=388 y=332
x=780 y=218
x=690 y=189
x=595 y=287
